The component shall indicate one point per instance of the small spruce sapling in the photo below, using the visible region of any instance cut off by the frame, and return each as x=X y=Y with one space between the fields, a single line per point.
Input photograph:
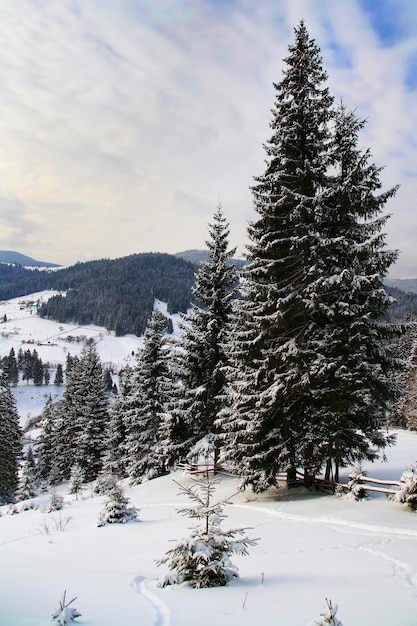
x=75 y=485
x=407 y=493
x=56 y=503
x=355 y=487
x=328 y=618
x=64 y=614
x=105 y=483
x=116 y=509
x=203 y=559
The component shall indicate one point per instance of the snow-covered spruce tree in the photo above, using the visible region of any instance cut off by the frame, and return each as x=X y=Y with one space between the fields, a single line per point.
x=201 y=356
x=147 y=402
x=56 y=502
x=80 y=433
x=27 y=482
x=114 y=462
x=269 y=417
x=351 y=373
x=45 y=442
x=76 y=480
x=116 y=509
x=405 y=412
x=312 y=379
x=10 y=443
x=203 y=559
x=407 y=493
x=328 y=618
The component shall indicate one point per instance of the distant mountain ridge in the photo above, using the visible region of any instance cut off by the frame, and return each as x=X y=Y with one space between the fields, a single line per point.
x=10 y=256
x=119 y=294
x=197 y=256
x=405 y=284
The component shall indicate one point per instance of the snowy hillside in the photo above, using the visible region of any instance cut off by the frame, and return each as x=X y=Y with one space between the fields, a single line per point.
x=20 y=327
x=361 y=555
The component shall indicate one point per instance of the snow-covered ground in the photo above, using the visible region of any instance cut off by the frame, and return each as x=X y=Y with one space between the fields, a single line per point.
x=360 y=555
x=52 y=340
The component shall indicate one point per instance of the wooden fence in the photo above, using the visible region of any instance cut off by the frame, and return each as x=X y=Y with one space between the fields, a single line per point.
x=389 y=487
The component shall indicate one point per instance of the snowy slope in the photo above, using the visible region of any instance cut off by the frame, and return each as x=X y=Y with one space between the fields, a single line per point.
x=54 y=341
x=361 y=555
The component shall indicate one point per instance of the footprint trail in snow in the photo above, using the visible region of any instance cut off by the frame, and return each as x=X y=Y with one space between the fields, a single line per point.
x=162 y=611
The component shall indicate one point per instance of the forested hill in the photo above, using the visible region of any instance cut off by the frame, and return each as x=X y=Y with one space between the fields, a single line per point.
x=117 y=294
x=405 y=305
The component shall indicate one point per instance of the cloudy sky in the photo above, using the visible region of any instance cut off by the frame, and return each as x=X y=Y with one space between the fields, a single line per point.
x=123 y=123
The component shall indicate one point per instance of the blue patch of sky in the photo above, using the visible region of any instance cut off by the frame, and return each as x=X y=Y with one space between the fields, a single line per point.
x=411 y=73
x=387 y=20
x=339 y=53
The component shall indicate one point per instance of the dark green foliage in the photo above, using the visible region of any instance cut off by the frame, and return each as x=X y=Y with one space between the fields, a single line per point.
x=10 y=443
x=313 y=376
x=10 y=368
x=146 y=404
x=27 y=483
x=80 y=431
x=201 y=356
x=404 y=306
x=17 y=281
x=120 y=294
x=46 y=444
x=59 y=375
x=117 y=294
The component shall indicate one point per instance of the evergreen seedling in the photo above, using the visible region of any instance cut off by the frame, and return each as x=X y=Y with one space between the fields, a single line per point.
x=64 y=614
x=203 y=559
x=116 y=509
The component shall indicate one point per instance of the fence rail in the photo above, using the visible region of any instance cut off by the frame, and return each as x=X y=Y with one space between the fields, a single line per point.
x=367 y=483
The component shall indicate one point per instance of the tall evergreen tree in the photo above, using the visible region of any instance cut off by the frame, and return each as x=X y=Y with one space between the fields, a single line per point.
x=59 y=375
x=115 y=457
x=10 y=442
x=45 y=444
x=10 y=369
x=313 y=292
x=37 y=369
x=148 y=404
x=27 y=483
x=351 y=374
x=80 y=435
x=271 y=390
x=201 y=355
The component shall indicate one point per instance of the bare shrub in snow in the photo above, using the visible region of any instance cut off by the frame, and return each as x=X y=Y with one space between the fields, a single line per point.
x=203 y=559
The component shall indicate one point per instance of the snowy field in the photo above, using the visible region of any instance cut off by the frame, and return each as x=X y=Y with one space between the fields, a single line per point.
x=360 y=555
x=53 y=341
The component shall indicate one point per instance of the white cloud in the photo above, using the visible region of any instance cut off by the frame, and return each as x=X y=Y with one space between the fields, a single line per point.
x=124 y=123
